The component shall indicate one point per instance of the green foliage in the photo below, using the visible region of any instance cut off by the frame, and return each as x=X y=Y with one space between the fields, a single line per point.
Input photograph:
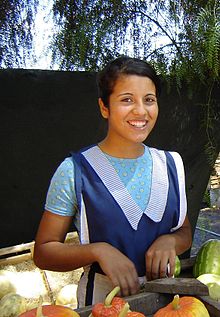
x=92 y=32
x=16 y=20
x=209 y=27
x=206 y=198
x=200 y=51
x=180 y=38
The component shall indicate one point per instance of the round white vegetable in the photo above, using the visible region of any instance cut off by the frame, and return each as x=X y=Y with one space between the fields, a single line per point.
x=6 y=286
x=212 y=281
x=12 y=305
x=214 y=291
x=209 y=278
x=67 y=296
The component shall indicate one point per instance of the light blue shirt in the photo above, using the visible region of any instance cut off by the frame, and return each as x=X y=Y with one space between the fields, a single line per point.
x=136 y=175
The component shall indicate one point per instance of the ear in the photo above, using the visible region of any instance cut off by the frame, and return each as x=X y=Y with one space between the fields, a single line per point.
x=103 y=109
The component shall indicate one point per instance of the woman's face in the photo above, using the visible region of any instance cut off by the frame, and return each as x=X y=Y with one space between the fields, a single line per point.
x=132 y=111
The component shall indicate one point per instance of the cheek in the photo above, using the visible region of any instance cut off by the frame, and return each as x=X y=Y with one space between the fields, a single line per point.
x=154 y=112
x=117 y=113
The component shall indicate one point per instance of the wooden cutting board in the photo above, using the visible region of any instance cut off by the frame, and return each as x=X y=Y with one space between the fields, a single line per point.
x=187 y=286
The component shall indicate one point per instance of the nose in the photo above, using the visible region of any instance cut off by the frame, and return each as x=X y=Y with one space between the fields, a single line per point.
x=139 y=108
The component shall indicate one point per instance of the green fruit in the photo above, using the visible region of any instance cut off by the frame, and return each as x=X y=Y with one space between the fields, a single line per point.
x=177 y=267
x=212 y=281
x=209 y=278
x=208 y=258
x=214 y=291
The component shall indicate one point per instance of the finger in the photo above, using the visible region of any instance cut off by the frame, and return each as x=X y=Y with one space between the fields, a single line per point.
x=163 y=271
x=155 y=270
x=172 y=266
x=119 y=279
x=148 y=268
x=129 y=283
x=133 y=282
x=124 y=287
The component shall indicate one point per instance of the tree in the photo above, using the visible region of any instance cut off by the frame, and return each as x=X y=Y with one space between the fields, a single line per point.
x=181 y=39
x=16 y=31
x=93 y=31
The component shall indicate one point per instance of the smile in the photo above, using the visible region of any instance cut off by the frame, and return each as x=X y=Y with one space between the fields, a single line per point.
x=138 y=123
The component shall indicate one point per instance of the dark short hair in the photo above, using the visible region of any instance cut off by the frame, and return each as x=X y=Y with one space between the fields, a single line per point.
x=124 y=65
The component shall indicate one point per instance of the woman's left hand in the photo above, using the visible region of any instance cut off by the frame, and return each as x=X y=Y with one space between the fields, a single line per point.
x=160 y=253
x=164 y=249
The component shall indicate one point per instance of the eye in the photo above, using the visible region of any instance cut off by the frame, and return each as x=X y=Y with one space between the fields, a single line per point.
x=150 y=99
x=127 y=100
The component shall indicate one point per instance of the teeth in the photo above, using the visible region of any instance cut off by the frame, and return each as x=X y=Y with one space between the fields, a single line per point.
x=138 y=124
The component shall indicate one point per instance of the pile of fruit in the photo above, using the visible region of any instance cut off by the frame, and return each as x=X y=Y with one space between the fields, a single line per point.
x=117 y=307
x=113 y=306
x=206 y=269
x=12 y=303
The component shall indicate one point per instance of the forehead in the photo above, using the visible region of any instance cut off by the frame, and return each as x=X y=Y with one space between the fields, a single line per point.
x=134 y=83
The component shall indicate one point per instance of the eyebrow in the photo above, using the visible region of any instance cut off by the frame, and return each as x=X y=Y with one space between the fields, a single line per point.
x=151 y=94
x=129 y=93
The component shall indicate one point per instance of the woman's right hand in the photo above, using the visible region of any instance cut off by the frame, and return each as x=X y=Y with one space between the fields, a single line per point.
x=51 y=253
x=120 y=270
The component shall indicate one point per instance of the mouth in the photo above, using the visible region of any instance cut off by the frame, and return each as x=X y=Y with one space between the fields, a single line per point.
x=138 y=123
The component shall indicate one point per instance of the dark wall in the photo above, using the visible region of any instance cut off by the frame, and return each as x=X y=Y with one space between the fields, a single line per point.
x=46 y=114
x=181 y=128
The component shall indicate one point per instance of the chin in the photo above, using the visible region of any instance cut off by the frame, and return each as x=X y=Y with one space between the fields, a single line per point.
x=142 y=138
x=139 y=140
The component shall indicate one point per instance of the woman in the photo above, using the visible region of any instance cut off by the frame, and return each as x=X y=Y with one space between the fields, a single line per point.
x=126 y=200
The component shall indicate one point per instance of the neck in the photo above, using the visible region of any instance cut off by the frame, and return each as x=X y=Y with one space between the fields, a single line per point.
x=132 y=151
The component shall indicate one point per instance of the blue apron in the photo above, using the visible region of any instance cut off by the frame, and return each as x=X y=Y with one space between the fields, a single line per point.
x=109 y=214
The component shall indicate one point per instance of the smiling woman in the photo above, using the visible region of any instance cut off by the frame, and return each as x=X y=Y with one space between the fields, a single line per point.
x=127 y=200
x=131 y=116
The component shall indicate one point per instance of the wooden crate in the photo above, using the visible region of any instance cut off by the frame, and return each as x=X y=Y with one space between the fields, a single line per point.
x=150 y=303
x=17 y=265
x=145 y=302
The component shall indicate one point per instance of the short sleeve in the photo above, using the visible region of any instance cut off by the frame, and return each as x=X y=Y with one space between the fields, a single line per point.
x=61 y=197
